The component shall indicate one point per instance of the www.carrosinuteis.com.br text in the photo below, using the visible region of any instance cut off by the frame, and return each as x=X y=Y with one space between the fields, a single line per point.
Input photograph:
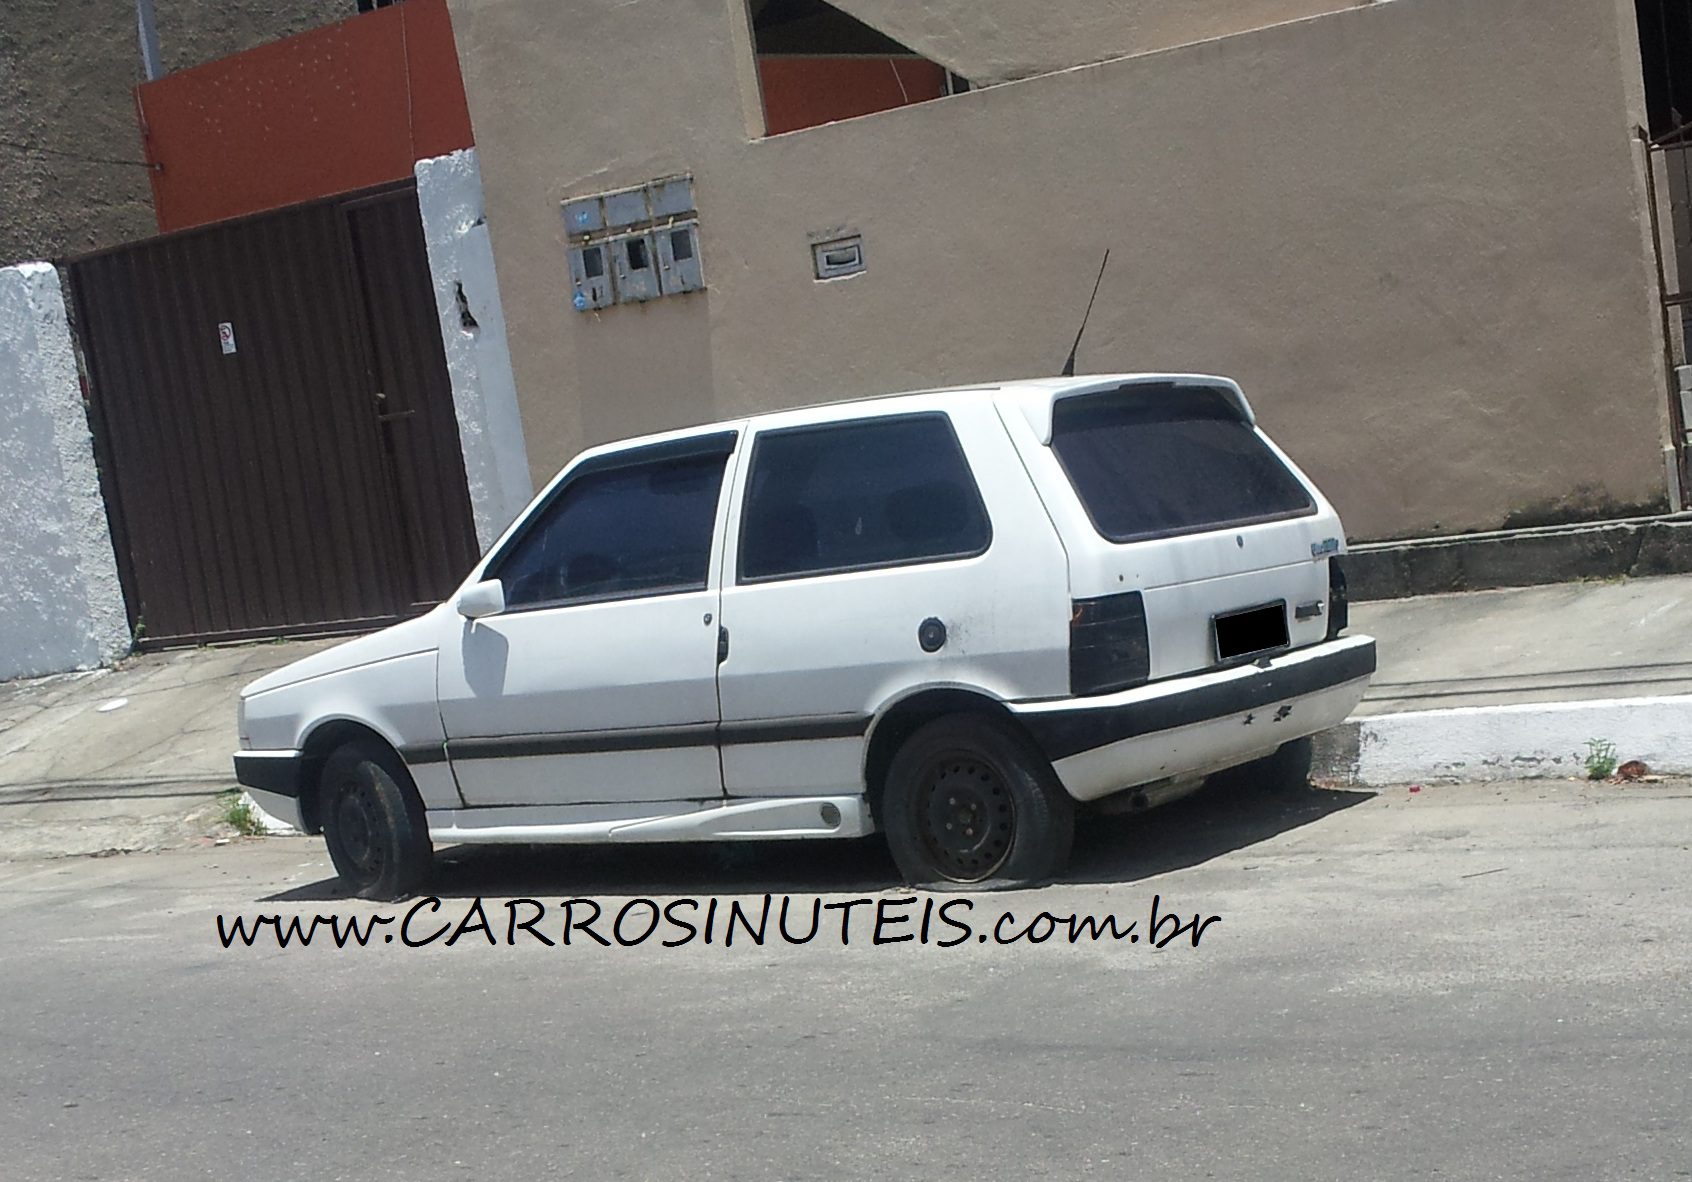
x=763 y=921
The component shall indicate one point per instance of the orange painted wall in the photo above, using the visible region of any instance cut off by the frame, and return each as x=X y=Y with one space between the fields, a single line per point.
x=805 y=91
x=343 y=107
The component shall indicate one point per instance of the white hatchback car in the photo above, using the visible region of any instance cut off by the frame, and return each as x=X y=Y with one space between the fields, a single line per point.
x=948 y=615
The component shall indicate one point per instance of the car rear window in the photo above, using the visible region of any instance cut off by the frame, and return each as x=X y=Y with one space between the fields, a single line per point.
x=1158 y=461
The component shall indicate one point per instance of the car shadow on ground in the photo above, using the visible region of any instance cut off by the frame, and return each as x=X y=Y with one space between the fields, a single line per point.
x=1226 y=816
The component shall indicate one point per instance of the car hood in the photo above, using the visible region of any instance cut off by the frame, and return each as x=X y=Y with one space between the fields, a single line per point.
x=419 y=635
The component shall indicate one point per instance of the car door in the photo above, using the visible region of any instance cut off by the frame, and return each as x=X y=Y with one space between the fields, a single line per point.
x=867 y=561
x=597 y=682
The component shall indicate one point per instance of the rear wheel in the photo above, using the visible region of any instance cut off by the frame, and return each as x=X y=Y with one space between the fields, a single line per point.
x=373 y=822
x=970 y=802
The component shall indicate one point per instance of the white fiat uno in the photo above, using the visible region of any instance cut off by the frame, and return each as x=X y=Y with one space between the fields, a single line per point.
x=949 y=616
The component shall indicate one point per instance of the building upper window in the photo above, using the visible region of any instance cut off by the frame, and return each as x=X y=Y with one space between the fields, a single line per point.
x=819 y=65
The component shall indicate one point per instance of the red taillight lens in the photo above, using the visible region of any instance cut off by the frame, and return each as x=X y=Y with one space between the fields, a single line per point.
x=1339 y=603
x=1108 y=646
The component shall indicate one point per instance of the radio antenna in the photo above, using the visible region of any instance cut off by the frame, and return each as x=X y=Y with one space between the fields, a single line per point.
x=1069 y=365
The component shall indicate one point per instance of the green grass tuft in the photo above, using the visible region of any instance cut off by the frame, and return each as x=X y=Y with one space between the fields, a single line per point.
x=1600 y=759
x=240 y=815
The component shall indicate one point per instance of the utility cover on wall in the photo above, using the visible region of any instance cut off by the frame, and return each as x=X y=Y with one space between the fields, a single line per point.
x=842 y=256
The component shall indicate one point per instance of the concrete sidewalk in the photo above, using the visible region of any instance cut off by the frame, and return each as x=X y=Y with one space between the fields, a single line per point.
x=1490 y=685
x=127 y=758
x=1477 y=686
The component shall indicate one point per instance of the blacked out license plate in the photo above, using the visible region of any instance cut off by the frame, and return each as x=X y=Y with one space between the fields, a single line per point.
x=1247 y=633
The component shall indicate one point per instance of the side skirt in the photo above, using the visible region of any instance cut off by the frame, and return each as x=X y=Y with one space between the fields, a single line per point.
x=677 y=820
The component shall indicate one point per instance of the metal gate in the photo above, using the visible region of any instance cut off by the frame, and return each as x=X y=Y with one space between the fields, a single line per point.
x=1668 y=179
x=274 y=422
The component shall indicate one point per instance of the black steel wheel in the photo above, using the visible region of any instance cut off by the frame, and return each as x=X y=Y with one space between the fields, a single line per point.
x=373 y=822
x=965 y=816
x=969 y=802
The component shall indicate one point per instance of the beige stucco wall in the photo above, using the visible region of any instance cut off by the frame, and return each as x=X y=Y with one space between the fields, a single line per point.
x=990 y=41
x=67 y=72
x=1413 y=231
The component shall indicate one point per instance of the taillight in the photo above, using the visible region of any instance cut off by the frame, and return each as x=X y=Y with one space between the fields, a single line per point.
x=1108 y=649
x=1339 y=604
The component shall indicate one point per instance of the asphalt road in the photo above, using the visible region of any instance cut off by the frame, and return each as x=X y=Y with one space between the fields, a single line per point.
x=1462 y=983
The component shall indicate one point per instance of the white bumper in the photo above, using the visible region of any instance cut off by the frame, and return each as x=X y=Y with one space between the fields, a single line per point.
x=1201 y=723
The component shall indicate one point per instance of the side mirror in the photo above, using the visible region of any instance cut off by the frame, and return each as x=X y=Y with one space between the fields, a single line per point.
x=486 y=598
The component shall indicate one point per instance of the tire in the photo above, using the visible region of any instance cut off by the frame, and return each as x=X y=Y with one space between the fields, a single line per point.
x=373 y=822
x=1287 y=770
x=963 y=769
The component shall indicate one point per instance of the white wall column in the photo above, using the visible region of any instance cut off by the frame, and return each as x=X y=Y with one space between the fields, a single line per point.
x=484 y=392
x=61 y=606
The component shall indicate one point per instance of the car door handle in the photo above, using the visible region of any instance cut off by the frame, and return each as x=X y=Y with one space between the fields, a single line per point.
x=722 y=644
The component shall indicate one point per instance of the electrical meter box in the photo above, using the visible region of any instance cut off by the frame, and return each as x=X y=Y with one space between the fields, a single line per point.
x=626 y=208
x=633 y=245
x=590 y=276
x=635 y=267
x=678 y=258
x=583 y=216
x=671 y=196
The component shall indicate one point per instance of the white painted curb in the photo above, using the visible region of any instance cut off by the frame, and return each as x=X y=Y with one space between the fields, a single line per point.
x=1521 y=741
x=272 y=826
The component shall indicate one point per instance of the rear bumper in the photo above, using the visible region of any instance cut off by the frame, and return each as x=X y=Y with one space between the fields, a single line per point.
x=1201 y=723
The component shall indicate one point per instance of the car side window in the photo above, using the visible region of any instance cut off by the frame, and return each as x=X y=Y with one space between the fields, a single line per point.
x=632 y=530
x=856 y=496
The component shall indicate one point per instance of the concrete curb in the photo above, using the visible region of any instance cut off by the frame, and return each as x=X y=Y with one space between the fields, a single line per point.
x=1635 y=547
x=1482 y=743
x=272 y=826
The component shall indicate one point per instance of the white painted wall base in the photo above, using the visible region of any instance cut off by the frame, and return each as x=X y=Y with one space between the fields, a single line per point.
x=484 y=392
x=61 y=606
x=1522 y=741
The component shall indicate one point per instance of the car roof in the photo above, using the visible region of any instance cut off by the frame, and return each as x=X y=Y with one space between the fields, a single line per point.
x=1033 y=397
x=1018 y=389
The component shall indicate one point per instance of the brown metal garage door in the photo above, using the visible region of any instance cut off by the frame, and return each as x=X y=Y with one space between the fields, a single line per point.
x=274 y=422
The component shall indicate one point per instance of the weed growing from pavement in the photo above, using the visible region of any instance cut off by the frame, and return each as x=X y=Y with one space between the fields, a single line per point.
x=1600 y=759
x=239 y=814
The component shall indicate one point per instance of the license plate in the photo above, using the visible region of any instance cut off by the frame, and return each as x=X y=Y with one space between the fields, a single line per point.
x=1247 y=633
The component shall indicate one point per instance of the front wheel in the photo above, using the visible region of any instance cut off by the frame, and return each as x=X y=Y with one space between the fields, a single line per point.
x=374 y=823
x=970 y=802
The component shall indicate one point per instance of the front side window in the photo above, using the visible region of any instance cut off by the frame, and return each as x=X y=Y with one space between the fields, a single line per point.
x=1154 y=461
x=632 y=530
x=856 y=496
